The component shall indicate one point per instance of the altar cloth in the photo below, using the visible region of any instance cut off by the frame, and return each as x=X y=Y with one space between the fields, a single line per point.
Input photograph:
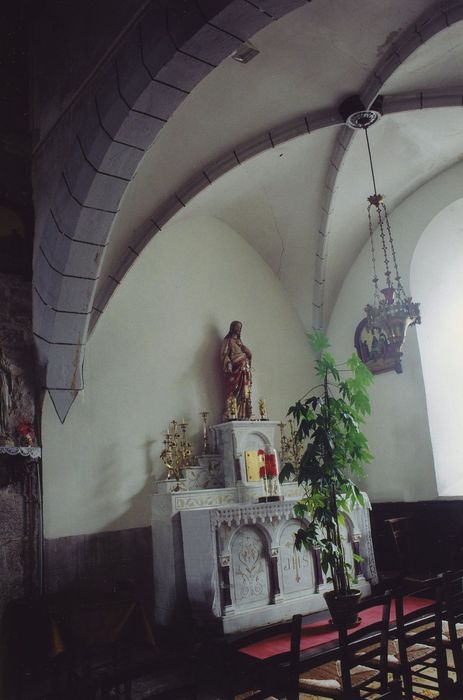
x=322 y=631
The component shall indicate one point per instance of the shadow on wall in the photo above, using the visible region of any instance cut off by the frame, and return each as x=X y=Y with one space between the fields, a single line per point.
x=203 y=378
x=203 y=387
x=119 y=554
x=140 y=502
x=204 y=375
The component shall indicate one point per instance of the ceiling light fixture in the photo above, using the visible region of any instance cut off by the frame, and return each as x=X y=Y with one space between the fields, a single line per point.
x=387 y=318
x=245 y=53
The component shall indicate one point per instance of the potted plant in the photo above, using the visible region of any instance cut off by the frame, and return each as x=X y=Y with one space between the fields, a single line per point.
x=328 y=424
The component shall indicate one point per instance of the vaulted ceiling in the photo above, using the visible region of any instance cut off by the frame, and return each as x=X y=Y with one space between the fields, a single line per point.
x=178 y=127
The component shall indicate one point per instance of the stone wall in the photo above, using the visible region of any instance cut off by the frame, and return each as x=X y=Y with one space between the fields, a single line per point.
x=20 y=502
x=102 y=561
x=17 y=347
x=19 y=529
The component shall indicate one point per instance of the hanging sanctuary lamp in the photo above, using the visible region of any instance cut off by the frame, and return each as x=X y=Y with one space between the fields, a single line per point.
x=380 y=336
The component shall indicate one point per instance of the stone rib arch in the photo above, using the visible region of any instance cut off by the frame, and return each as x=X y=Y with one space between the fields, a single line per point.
x=283 y=133
x=172 y=48
x=431 y=23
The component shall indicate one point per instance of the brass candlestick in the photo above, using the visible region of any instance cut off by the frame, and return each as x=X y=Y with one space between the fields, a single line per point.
x=184 y=446
x=167 y=457
x=206 y=446
x=291 y=447
x=177 y=453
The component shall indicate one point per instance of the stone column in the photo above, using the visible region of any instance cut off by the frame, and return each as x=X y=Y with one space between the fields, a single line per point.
x=319 y=581
x=227 y=605
x=277 y=596
x=356 y=551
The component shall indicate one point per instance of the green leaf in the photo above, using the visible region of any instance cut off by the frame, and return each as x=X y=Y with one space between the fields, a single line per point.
x=300 y=510
x=328 y=425
x=286 y=472
x=318 y=341
x=300 y=540
x=361 y=402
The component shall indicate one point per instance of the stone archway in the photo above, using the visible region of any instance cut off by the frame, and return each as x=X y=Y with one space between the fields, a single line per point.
x=170 y=50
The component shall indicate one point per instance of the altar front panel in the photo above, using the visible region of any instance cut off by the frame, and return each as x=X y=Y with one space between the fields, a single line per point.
x=242 y=570
x=297 y=569
x=250 y=584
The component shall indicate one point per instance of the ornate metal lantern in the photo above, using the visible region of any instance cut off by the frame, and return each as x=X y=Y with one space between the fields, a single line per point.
x=379 y=338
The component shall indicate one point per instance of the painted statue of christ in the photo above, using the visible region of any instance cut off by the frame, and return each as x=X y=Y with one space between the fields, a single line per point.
x=236 y=365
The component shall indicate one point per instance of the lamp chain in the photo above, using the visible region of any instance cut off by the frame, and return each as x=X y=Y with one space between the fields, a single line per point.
x=396 y=312
x=400 y=289
x=373 y=258
x=371 y=161
x=383 y=242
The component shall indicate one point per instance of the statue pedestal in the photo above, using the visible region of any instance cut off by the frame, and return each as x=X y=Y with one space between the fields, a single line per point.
x=232 y=441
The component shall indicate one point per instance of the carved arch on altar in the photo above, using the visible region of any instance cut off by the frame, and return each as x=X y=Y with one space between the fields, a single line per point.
x=298 y=572
x=251 y=580
x=232 y=534
x=350 y=527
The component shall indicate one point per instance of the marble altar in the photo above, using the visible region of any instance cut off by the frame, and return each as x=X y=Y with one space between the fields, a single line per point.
x=227 y=560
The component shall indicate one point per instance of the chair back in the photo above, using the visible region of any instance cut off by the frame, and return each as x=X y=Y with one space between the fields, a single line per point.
x=419 y=636
x=281 y=667
x=453 y=600
x=453 y=617
x=359 y=646
x=401 y=533
x=423 y=623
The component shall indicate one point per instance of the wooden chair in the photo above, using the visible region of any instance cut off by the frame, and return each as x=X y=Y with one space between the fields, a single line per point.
x=108 y=644
x=410 y=561
x=27 y=663
x=418 y=552
x=416 y=654
x=268 y=677
x=358 y=668
x=453 y=625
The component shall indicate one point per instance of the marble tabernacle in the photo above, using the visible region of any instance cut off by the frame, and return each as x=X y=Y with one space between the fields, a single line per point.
x=228 y=560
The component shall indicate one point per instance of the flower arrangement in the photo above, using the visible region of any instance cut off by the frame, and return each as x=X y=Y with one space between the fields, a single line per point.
x=25 y=433
x=268 y=472
x=269 y=468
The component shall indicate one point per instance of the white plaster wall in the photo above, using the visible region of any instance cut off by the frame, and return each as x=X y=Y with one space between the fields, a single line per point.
x=398 y=429
x=439 y=258
x=154 y=357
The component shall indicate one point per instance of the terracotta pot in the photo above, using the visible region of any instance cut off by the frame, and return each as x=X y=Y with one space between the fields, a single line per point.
x=343 y=608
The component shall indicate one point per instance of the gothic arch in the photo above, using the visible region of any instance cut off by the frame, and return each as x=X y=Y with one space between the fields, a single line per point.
x=170 y=50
